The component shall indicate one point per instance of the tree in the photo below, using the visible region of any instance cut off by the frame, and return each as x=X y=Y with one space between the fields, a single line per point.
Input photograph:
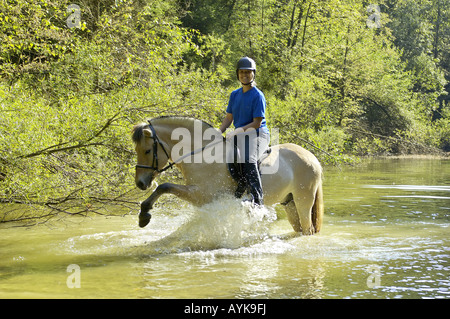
x=33 y=35
x=421 y=30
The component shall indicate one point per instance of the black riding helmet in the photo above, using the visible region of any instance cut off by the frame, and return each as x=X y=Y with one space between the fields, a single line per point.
x=246 y=63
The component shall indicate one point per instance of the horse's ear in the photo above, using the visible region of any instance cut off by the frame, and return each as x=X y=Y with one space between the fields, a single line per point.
x=147 y=132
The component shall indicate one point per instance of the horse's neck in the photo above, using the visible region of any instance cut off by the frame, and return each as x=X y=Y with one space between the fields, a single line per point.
x=193 y=160
x=193 y=134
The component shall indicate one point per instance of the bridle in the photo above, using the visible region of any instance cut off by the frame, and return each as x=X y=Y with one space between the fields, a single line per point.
x=156 y=142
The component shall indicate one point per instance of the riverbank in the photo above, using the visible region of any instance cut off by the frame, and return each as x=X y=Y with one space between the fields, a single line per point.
x=443 y=155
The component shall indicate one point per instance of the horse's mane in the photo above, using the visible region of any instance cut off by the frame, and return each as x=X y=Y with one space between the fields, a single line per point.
x=180 y=121
x=183 y=120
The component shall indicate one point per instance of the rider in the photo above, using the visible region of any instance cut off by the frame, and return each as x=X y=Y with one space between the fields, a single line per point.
x=246 y=110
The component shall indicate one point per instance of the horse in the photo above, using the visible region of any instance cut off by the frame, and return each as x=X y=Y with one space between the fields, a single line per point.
x=290 y=174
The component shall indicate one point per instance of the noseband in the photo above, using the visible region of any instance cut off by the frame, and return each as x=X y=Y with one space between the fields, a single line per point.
x=156 y=142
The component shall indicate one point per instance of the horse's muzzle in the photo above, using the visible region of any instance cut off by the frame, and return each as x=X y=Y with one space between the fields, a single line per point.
x=144 y=181
x=141 y=185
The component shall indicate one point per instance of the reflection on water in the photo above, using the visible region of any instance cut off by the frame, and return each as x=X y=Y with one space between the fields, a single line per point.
x=385 y=235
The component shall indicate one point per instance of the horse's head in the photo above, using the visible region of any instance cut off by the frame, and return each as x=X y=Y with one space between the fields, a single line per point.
x=151 y=155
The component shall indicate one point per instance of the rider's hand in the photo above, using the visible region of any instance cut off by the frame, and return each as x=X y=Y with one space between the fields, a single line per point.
x=235 y=132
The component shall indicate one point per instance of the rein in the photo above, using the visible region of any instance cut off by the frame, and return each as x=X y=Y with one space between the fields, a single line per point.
x=156 y=141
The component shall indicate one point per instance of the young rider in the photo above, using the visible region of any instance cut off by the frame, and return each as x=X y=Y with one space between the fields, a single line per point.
x=246 y=110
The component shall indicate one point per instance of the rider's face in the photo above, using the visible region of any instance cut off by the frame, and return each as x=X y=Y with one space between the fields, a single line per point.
x=246 y=76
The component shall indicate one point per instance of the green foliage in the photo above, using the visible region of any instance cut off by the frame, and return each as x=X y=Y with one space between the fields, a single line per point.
x=33 y=35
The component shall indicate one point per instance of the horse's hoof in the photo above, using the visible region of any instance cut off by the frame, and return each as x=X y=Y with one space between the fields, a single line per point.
x=144 y=219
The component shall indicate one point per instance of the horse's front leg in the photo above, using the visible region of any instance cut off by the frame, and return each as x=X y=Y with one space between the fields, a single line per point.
x=182 y=191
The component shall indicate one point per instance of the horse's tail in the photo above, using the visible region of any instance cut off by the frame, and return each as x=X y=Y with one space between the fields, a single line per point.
x=317 y=209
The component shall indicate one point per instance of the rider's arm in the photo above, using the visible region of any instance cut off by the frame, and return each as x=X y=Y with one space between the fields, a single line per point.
x=226 y=122
x=255 y=124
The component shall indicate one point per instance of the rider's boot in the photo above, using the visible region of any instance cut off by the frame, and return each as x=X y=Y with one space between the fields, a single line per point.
x=236 y=172
x=241 y=188
x=251 y=172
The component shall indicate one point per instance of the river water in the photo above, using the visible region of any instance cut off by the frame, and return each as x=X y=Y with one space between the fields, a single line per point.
x=385 y=235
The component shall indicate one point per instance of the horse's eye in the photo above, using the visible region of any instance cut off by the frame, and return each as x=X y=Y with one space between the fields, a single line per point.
x=148 y=151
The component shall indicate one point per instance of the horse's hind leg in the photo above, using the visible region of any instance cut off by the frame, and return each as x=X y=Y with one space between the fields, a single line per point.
x=292 y=216
x=304 y=204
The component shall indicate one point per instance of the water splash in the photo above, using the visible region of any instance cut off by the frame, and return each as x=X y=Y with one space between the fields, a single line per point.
x=225 y=223
x=222 y=224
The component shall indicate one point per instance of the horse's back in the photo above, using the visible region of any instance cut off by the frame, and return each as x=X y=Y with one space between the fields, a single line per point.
x=294 y=156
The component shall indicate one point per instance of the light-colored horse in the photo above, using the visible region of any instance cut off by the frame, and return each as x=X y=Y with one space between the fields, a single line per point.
x=291 y=175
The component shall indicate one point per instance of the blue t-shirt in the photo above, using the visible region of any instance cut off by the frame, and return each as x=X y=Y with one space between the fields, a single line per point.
x=246 y=106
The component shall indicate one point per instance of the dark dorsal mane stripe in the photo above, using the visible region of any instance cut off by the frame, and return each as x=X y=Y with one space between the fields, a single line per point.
x=137 y=132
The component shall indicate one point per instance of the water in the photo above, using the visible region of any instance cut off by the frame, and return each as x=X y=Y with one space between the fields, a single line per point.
x=385 y=235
